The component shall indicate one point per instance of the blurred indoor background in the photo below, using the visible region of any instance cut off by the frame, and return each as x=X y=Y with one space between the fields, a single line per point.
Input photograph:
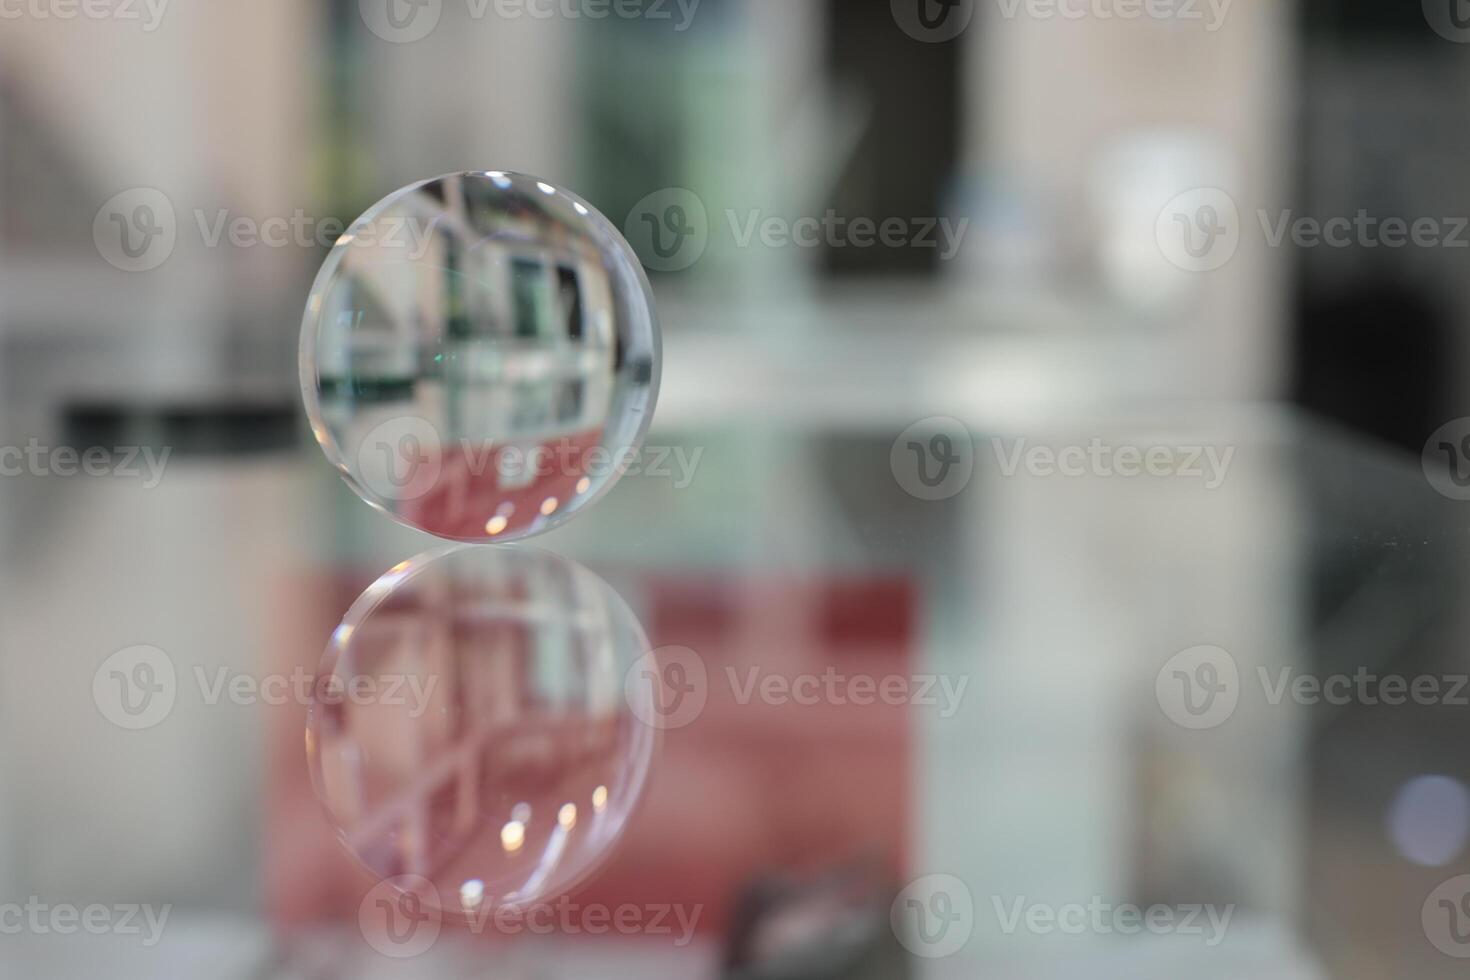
x=1104 y=235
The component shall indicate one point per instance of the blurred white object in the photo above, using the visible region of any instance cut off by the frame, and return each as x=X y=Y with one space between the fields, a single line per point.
x=1131 y=184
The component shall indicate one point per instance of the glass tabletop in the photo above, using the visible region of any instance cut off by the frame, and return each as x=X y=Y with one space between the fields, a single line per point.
x=1122 y=699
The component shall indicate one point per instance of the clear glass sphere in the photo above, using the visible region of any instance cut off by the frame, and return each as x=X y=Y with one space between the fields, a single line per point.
x=480 y=356
x=472 y=726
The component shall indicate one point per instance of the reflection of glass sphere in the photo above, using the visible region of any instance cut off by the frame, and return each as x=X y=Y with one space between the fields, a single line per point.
x=471 y=725
x=480 y=356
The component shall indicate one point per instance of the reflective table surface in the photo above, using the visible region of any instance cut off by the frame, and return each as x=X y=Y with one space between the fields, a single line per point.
x=1134 y=698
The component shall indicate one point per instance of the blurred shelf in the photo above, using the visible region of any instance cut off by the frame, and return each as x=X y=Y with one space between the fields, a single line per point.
x=876 y=357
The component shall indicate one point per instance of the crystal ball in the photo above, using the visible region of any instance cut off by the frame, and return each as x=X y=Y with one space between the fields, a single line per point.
x=480 y=356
